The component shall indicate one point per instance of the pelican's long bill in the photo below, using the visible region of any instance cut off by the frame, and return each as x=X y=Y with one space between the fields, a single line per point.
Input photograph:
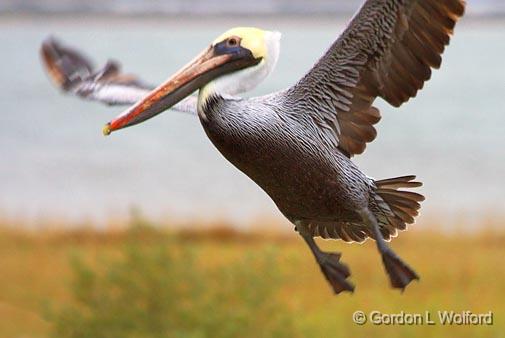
x=218 y=59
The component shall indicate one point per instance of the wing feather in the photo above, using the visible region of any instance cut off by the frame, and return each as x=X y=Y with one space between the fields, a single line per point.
x=74 y=73
x=387 y=50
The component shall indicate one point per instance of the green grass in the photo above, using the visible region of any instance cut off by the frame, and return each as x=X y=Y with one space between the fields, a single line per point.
x=143 y=282
x=164 y=290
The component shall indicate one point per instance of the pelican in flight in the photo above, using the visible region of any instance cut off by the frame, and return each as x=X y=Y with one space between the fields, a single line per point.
x=297 y=143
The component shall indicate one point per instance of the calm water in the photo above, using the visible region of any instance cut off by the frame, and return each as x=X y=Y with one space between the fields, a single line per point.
x=55 y=162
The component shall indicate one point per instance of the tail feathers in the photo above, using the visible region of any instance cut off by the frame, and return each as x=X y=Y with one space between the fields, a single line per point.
x=403 y=205
x=393 y=207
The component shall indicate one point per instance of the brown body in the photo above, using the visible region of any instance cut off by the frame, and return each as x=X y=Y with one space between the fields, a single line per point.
x=308 y=179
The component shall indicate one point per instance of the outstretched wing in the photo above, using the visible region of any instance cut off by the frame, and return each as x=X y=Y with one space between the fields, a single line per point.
x=387 y=50
x=73 y=73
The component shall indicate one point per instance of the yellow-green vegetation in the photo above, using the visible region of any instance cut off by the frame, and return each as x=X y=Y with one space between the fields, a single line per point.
x=143 y=282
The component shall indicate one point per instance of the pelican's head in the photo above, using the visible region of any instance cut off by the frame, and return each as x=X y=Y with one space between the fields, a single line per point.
x=262 y=45
x=235 y=62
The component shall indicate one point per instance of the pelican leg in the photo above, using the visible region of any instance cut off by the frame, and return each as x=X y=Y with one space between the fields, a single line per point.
x=335 y=272
x=400 y=274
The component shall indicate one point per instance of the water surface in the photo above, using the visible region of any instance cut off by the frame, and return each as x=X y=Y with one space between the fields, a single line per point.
x=54 y=160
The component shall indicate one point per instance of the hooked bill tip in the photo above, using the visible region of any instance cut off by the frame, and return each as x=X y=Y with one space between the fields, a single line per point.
x=106 y=130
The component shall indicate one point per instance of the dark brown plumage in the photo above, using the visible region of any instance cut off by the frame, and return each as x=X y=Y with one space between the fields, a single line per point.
x=387 y=50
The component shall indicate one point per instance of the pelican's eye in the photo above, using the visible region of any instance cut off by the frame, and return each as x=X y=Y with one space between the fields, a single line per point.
x=233 y=42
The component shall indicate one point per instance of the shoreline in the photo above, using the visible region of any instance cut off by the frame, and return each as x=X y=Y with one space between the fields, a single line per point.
x=463 y=223
x=173 y=20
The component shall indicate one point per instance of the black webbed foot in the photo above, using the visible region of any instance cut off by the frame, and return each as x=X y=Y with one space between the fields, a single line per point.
x=400 y=274
x=335 y=272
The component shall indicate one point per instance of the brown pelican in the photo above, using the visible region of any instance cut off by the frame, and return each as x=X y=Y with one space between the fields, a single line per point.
x=297 y=144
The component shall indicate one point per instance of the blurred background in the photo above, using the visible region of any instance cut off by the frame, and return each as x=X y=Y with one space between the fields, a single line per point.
x=153 y=219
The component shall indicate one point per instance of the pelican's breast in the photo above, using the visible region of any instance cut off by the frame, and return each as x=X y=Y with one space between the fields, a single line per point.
x=279 y=153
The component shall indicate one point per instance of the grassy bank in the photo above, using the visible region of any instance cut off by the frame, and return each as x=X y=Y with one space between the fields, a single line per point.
x=141 y=282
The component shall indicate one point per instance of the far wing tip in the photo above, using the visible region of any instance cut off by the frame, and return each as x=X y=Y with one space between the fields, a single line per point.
x=65 y=66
